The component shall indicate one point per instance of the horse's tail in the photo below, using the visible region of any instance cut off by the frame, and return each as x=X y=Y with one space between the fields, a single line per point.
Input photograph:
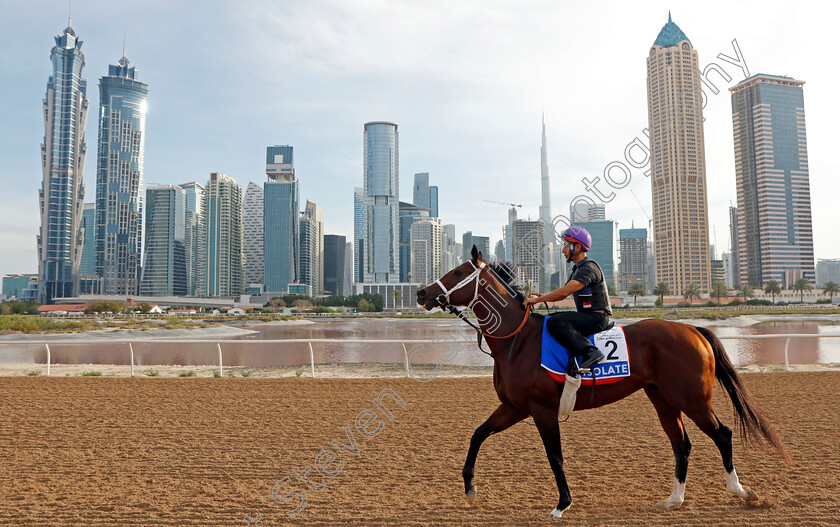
x=752 y=423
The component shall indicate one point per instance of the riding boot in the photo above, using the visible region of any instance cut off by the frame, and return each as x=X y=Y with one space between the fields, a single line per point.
x=590 y=357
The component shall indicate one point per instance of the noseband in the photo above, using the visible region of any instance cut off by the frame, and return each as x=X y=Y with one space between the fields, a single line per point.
x=472 y=276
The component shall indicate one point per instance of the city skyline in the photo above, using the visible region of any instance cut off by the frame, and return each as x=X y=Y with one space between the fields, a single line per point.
x=329 y=179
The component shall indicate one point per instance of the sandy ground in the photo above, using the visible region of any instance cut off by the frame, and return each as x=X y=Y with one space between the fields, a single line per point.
x=362 y=370
x=151 y=451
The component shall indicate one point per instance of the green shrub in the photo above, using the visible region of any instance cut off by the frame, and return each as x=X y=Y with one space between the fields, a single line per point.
x=92 y=374
x=190 y=373
x=245 y=373
x=34 y=373
x=152 y=373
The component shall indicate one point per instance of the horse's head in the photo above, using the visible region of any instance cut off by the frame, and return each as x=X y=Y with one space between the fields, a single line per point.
x=458 y=287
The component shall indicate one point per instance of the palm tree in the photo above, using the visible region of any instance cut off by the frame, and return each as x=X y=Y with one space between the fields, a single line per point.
x=691 y=292
x=831 y=288
x=636 y=289
x=802 y=286
x=661 y=289
x=397 y=294
x=772 y=288
x=746 y=291
x=719 y=289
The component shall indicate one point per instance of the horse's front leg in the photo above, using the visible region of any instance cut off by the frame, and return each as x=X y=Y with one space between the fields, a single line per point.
x=546 y=420
x=501 y=419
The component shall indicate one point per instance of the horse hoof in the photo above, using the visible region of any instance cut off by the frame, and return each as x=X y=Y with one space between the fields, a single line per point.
x=751 y=496
x=668 y=505
x=471 y=495
x=557 y=513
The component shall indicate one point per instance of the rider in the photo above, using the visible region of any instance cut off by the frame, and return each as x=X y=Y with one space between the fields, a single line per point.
x=587 y=284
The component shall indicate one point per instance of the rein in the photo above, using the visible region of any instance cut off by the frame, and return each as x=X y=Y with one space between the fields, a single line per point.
x=443 y=300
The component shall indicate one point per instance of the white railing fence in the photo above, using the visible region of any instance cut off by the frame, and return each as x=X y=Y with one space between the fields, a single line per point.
x=309 y=342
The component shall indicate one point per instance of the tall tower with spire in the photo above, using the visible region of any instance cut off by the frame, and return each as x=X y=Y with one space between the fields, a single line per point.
x=678 y=162
x=119 y=179
x=549 y=236
x=62 y=193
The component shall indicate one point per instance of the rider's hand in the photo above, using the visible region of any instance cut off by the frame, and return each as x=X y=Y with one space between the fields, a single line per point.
x=532 y=299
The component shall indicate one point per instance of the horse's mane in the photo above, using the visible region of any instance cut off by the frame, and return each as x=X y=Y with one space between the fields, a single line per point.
x=506 y=271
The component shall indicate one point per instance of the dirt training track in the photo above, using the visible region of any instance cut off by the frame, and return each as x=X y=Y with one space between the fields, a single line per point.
x=146 y=451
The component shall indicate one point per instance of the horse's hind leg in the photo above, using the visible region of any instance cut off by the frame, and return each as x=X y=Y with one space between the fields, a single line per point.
x=671 y=420
x=709 y=423
x=501 y=419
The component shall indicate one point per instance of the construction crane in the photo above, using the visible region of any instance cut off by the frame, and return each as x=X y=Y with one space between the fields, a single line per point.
x=502 y=203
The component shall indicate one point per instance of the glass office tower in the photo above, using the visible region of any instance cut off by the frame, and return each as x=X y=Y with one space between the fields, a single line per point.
x=222 y=259
x=381 y=186
x=775 y=235
x=119 y=179
x=164 y=260
x=281 y=220
x=62 y=193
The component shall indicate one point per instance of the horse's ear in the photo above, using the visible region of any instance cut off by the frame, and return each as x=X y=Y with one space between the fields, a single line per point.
x=476 y=255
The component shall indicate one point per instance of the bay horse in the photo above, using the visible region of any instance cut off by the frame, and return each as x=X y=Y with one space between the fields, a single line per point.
x=676 y=365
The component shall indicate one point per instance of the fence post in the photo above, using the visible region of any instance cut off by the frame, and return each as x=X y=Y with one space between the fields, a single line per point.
x=311 y=360
x=219 y=345
x=131 y=349
x=405 y=359
x=787 y=360
x=48 y=358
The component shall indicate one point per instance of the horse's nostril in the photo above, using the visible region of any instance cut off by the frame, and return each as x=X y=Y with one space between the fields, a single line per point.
x=421 y=293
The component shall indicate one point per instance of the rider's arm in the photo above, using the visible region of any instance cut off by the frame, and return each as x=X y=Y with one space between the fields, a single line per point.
x=557 y=294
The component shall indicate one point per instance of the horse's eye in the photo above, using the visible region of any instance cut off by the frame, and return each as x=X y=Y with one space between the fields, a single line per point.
x=458 y=273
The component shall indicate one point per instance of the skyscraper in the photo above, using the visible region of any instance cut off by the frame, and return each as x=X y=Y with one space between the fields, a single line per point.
x=62 y=193
x=312 y=256
x=409 y=213
x=88 y=263
x=119 y=179
x=164 y=258
x=359 y=233
x=334 y=259
x=348 y=270
x=583 y=211
x=254 y=242
x=633 y=267
x=194 y=240
x=603 y=249
x=482 y=243
x=381 y=186
x=450 y=256
x=433 y=202
x=281 y=220
x=678 y=162
x=426 y=250
x=775 y=236
x=734 y=268
x=222 y=225
x=528 y=245
x=549 y=236
x=421 y=190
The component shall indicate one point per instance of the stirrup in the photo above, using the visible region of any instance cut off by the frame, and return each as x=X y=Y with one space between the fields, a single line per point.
x=592 y=358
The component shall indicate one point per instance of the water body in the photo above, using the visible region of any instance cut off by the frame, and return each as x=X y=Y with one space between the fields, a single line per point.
x=457 y=345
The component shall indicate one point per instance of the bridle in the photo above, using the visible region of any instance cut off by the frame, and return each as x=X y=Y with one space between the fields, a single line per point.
x=472 y=276
x=443 y=300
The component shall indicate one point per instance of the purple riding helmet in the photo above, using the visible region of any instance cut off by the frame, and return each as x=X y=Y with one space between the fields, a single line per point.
x=578 y=235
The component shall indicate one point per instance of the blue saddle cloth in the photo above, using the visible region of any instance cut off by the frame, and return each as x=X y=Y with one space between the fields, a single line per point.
x=553 y=356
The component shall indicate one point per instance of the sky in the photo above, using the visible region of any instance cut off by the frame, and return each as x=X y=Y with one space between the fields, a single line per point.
x=467 y=82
